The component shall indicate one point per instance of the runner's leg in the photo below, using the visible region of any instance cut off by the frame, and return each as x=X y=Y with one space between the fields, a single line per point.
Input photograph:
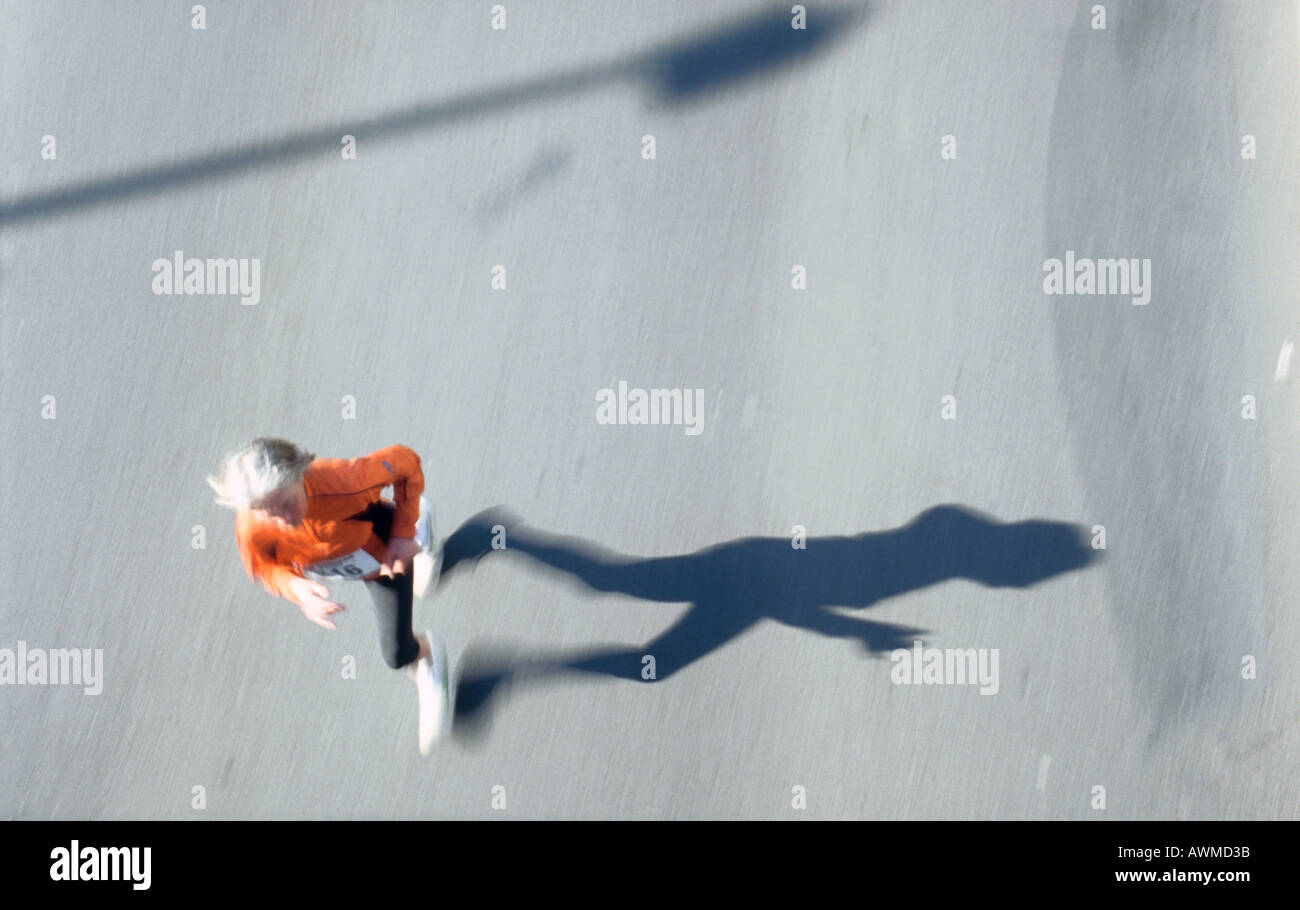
x=392 y=598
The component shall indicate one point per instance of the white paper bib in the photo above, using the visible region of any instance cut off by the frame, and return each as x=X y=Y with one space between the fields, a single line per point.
x=356 y=564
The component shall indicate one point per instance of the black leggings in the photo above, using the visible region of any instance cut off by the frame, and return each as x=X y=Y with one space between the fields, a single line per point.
x=392 y=597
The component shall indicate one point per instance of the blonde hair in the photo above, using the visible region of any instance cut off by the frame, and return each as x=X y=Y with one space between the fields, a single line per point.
x=259 y=468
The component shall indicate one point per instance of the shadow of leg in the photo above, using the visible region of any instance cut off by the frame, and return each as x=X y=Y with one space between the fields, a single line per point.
x=696 y=634
x=664 y=578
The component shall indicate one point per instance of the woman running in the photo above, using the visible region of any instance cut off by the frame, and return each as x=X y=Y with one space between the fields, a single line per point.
x=303 y=520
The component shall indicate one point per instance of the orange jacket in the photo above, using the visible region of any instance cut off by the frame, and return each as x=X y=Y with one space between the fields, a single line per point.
x=336 y=489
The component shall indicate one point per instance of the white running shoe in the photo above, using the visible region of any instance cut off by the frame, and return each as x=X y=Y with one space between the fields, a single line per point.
x=425 y=569
x=433 y=680
x=426 y=566
x=424 y=525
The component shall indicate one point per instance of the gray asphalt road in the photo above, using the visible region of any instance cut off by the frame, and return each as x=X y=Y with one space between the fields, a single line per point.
x=484 y=153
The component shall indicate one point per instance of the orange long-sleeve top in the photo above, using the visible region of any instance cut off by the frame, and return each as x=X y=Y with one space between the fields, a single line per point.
x=337 y=488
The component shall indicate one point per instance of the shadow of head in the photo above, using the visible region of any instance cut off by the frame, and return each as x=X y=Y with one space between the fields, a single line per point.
x=958 y=542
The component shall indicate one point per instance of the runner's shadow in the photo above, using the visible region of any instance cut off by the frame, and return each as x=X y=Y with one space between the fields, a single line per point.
x=733 y=585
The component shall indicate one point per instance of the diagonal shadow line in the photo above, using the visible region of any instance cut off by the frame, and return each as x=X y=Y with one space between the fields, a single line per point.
x=733 y=585
x=676 y=72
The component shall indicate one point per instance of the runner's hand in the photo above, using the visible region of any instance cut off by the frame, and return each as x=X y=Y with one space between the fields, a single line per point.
x=398 y=556
x=313 y=600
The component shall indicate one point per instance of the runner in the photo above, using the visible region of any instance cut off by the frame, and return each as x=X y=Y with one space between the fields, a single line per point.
x=302 y=520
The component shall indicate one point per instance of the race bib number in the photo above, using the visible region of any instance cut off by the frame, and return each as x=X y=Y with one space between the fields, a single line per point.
x=355 y=565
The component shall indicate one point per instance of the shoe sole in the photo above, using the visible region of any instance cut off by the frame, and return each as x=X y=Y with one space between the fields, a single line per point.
x=426 y=565
x=425 y=571
x=440 y=684
x=426 y=510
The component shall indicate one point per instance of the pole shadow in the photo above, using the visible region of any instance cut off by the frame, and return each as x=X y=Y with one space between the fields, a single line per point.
x=675 y=73
x=733 y=585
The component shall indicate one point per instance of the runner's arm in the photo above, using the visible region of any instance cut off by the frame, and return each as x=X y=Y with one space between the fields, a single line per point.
x=261 y=564
x=277 y=580
x=400 y=467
